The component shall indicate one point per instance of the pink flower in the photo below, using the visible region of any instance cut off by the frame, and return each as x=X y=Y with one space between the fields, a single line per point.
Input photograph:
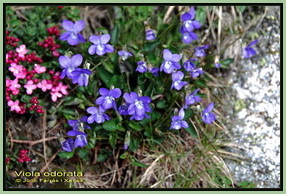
x=14 y=106
x=44 y=85
x=22 y=50
x=14 y=68
x=59 y=91
x=14 y=85
x=18 y=71
x=55 y=95
x=8 y=83
x=62 y=88
x=30 y=86
x=39 y=68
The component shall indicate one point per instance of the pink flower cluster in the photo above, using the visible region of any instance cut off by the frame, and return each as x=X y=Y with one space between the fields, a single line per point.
x=27 y=79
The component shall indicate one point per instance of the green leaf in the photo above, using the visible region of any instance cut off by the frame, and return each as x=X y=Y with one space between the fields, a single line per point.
x=134 y=143
x=25 y=98
x=135 y=162
x=188 y=114
x=124 y=155
x=161 y=104
x=225 y=63
x=108 y=67
x=83 y=154
x=135 y=126
x=201 y=15
x=116 y=81
x=150 y=46
x=114 y=34
x=200 y=83
x=111 y=125
x=68 y=111
x=240 y=9
x=191 y=130
x=66 y=155
x=105 y=76
x=112 y=139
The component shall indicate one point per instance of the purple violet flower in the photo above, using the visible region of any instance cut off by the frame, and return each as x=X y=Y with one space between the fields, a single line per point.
x=138 y=106
x=207 y=116
x=188 y=37
x=177 y=121
x=248 y=51
x=97 y=115
x=80 y=76
x=68 y=145
x=124 y=54
x=217 y=65
x=142 y=67
x=150 y=35
x=155 y=71
x=192 y=98
x=100 y=46
x=73 y=123
x=177 y=80
x=107 y=98
x=80 y=139
x=123 y=109
x=69 y=64
x=171 y=62
x=196 y=72
x=189 y=24
x=73 y=35
x=200 y=51
x=189 y=65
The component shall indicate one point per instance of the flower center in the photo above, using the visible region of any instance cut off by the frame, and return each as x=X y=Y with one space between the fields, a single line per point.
x=168 y=64
x=100 y=47
x=188 y=23
x=139 y=104
x=73 y=35
x=109 y=99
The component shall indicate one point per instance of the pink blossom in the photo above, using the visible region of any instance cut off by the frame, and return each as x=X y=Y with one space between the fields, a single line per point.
x=39 y=68
x=44 y=85
x=18 y=71
x=14 y=85
x=8 y=83
x=59 y=91
x=14 y=106
x=22 y=50
x=55 y=95
x=62 y=88
x=30 y=86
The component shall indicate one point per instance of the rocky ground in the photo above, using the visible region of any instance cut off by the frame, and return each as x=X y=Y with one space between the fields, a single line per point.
x=255 y=122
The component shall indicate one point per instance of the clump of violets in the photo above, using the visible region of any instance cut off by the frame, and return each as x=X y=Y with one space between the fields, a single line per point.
x=178 y=122
x=207 y=116
x=70 y=69
x=170 y=62
x=188 y=26
x=77 y=131
x=248 y=51
x=100 y=46
x=72 y=34
x=192 y=68
x=138 y=106
x=150 y=35
x=107 y=98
